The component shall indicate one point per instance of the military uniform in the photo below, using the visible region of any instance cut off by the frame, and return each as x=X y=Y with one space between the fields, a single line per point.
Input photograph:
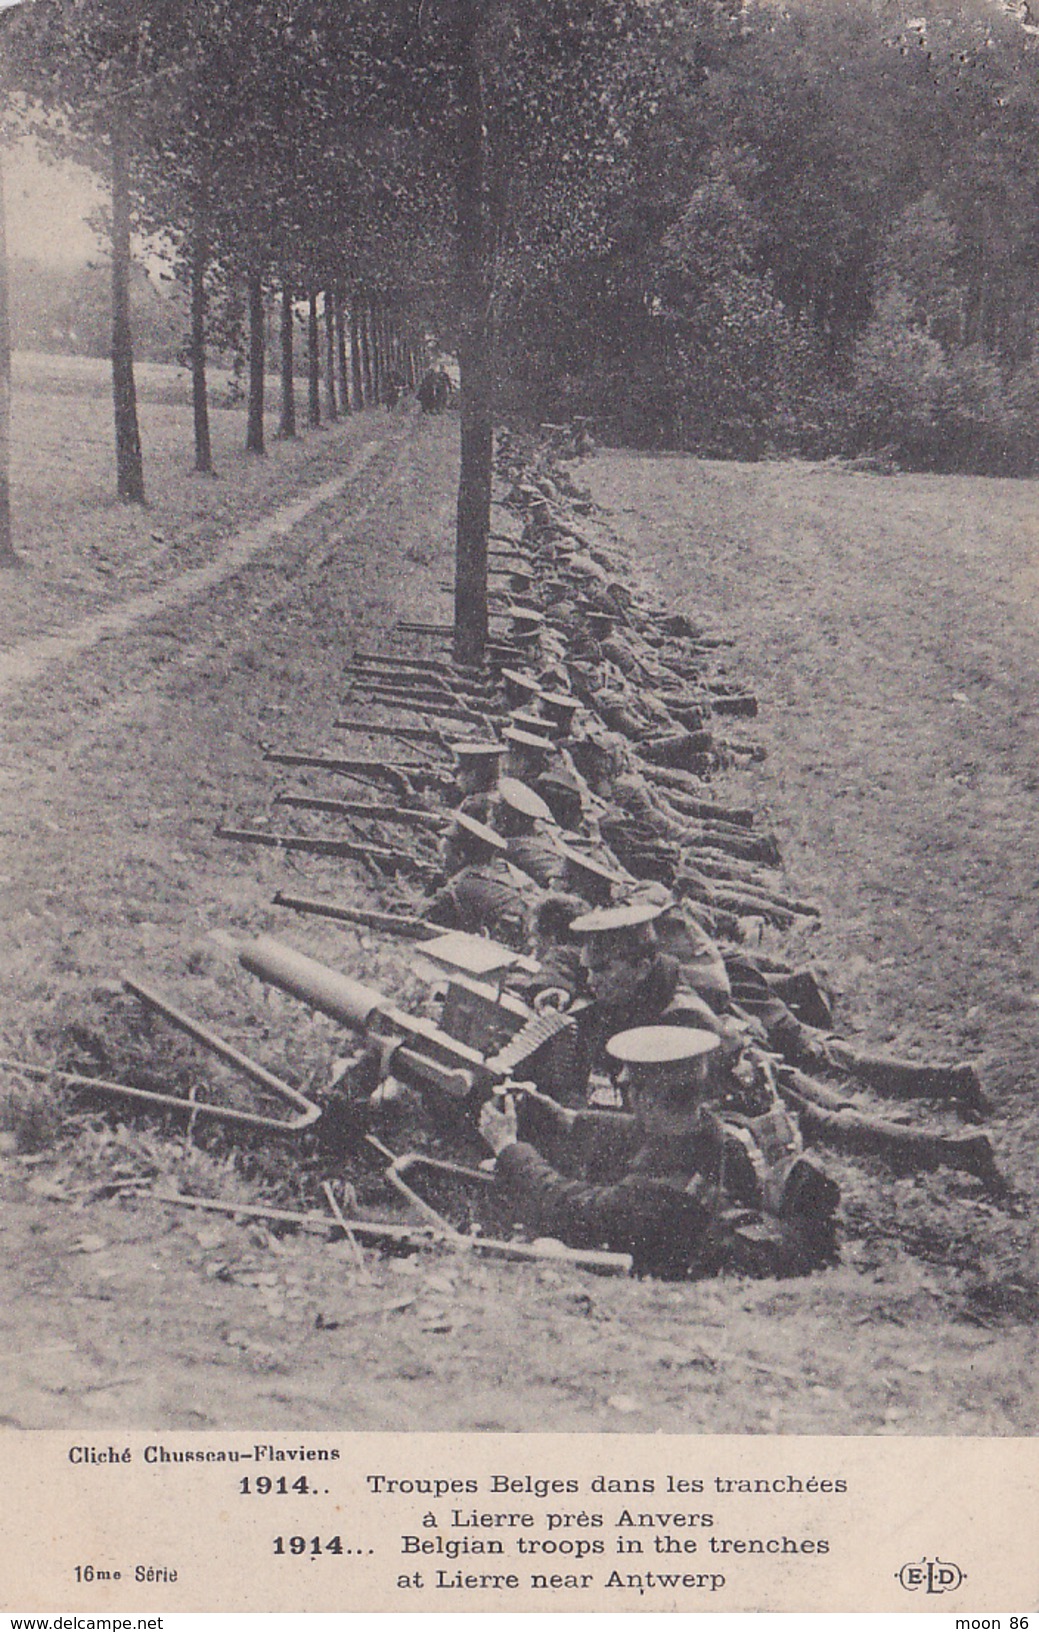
x=484 y=892
x=729 y=1193
x=813 y=1050
x=490 y=897
x=540 y=859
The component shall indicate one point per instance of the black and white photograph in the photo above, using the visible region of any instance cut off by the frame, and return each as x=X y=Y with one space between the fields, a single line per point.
x=519 y=668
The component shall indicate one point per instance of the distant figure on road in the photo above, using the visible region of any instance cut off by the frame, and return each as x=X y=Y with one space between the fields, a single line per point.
x=434 y=392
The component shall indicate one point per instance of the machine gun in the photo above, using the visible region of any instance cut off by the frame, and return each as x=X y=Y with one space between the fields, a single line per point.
x=415 y=1050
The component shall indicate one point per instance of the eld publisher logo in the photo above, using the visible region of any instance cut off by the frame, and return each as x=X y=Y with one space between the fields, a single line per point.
x=932 y=1574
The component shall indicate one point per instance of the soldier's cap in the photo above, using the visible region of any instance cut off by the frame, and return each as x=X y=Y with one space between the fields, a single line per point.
x=560 y=707
x=521 y=682
x=475 y=752
x=524 y=617
x=536 y=724
x=527 y=739
x=657 y=894
x=613 y=920
x=646 y=1049
x=470 y=828
x=524 y=800
x=589 y=871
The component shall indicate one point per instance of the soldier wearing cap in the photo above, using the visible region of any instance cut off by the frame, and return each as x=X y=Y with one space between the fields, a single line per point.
x=561 y=709
x=548 y=768
x=526 y=824
x=484 y=892
x=529 y=754
x=680 y=936
x=535 y=725
x=562 y=795
x=521 y=690
x=630 y=981
x=525 y=622
x=688 y=1183
x=479 y=765
x=594 y=880
x=622 y=978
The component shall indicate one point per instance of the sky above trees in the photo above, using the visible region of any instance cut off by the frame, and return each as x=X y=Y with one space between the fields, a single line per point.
x=48 y=205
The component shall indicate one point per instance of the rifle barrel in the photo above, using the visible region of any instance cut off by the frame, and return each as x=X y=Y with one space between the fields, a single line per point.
x=367 y=809
x=392 y=923
x=350 y=849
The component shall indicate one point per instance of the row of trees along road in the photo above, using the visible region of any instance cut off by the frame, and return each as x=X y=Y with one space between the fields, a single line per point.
x=730 y=225
x=430 y=153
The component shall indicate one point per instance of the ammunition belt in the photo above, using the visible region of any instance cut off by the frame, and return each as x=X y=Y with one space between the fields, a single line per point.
x=534 y=1034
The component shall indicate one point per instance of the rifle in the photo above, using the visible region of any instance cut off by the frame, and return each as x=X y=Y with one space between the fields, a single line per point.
x=402 y=733
x=405 y=777
x=427 y=820
x=399 y=671
x=393 y=861
x=467 y=672
x=391 y=923
x=440 y=704
x=455 y=949
x=405 y=733
x=438 y=688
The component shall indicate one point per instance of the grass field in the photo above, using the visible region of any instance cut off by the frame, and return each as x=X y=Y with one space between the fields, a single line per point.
x=83 y=549
x=887 y=626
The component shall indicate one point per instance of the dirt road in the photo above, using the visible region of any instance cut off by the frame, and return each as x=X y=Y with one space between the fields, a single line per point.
x=120 y=760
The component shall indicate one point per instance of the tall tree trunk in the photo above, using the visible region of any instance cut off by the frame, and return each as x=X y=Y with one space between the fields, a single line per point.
x=389 y=351
x=257 y=354
x=128 y=462
x=411 y=373
x=356 y=373
x=199 y=395
x=344 y=372
x=375 y=353
x=313 y=361
x=287 y=423
x=382 y=354
x=475 y=345
x=8 y=555
x=330 y=357
x=364 y=325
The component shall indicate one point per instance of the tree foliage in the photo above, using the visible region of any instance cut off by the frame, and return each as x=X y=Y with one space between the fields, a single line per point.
x=738 y=227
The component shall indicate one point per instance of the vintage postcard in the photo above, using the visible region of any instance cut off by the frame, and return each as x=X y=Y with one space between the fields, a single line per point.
x=519 y=651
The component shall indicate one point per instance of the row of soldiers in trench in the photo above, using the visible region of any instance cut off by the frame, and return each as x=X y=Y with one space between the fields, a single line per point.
x=583 y=834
